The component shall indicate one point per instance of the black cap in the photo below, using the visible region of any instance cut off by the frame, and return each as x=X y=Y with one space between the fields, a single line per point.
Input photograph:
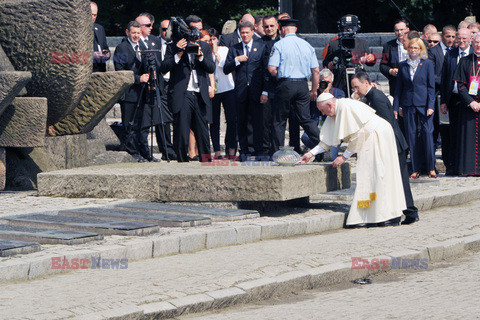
x=288 y=22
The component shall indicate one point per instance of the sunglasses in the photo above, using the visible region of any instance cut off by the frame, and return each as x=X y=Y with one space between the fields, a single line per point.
x=148 y=25
x=164 y=29
x=433 y=41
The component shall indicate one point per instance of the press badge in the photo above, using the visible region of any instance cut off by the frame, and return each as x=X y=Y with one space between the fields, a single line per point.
x=474 y=85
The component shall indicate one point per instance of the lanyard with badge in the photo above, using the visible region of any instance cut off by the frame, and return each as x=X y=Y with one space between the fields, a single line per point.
x=474 y=80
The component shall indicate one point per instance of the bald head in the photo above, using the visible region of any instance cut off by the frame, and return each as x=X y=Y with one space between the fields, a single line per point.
x=464 y=37
x=94 y=9
x=248 y=17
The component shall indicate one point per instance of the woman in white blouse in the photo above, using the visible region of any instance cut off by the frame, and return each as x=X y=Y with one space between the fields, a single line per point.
x=224 y=95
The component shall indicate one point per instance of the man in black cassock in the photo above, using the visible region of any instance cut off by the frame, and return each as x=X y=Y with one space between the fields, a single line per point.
x=468 y=78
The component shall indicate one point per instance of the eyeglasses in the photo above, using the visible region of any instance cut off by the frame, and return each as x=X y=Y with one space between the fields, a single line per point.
x=433 y=41
x=164 y=29
x=148 y=25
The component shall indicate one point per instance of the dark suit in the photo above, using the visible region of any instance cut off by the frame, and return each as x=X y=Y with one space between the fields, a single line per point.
x=99 y=44
x=125 y=58
x=250 y=80
x=452 y=100
x=384 y=109
x=230 y=39
x=191 y=109
x=415 y=97
x=162 y=131
x=389 y=61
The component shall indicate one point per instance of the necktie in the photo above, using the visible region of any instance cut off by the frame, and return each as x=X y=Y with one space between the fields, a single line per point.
x=463 y=54
x=137 y=52
x=246 y=50
x=145 y=41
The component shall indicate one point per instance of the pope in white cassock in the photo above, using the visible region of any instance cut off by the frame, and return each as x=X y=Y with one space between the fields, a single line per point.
x=379 y=195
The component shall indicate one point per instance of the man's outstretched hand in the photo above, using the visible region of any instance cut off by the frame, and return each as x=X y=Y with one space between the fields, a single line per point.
x=306 y=157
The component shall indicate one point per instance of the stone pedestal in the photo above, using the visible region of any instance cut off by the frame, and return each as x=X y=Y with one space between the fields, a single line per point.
x=11 y=83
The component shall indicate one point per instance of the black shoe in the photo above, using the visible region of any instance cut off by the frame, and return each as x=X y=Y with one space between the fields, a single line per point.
x=139 y=158
x=171 y=157
x=196 y=158
x=410 y=220
x=153 y=159
x=389 y=223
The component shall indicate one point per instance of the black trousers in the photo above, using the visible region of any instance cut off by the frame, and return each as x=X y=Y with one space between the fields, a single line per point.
x=449 y=136
x=130 y=121
x=250 y=106
x=227 y=99
x=163 y=132
x=191 y=116
x=411 y=210
x=292 y=93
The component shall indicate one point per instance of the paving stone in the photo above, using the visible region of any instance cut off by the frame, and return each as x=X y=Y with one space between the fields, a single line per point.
x=139 y=249
x=12 y=247
x=42 y=266
x=161 y=219
x=215 y=214
x=47 y=236
x=260 y=289
x=192 y=303
x=105 y=227
x=192 y=242
x=273 y=229
x=296 y=228
x=294 y=281
x=221 y=238
x=14 y=270
x=166 y=245
x=113 y=252
x=159 y=310
x=248 y=234
x=227 y=297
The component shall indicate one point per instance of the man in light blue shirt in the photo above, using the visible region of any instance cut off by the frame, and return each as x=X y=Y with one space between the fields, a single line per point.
x=293 y=61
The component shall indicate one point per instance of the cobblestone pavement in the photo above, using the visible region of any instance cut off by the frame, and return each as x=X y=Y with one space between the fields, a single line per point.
x=154 y=280
x=445 y=291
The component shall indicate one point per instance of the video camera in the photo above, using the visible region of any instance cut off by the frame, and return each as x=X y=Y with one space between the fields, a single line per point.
x=348 y=26
x=178 y=29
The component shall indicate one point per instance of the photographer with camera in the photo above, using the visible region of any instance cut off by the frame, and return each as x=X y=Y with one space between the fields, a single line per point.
x=347 y=54
x=325 y=85
x=189 y=62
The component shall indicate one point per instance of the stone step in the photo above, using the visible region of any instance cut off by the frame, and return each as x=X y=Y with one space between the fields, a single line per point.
x=105 y=227
x=47 y=236
x=163 y=220
x=216 y=214
x=12 y=247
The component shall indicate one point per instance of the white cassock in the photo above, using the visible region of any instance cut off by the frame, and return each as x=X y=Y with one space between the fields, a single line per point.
x=379 y=194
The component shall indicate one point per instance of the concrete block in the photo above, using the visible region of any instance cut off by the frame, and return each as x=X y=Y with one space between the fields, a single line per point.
x=191 y=242
x=333 y=274
x=139 y=249
x=294 y=281
x=127 y=312
x=23 y=123
x=472 y=242
x=453 y=248
x=61 y=62
x=425 y=203
x=273 y=229
x=11 y=83
x=336 y=221
x=296 y=227
x=248 y=234
x=317 y=224
x=192 y=303
x=11 y=270
x=105 y=89
x=220 y=238
x=42 y=266
x=260 y=289
x=159 y=310
x=441 y=200
x=166 y=245
x=86 y=255
x=113 y=252
x=435 y=252
x=227 y=297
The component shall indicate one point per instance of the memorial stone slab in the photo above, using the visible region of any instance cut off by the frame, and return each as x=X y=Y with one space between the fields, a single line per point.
x=216 y=214
x=105 y=89
x=105 y=227
x=11 y=83
x=47 y=236
x=23 y=123
x=13 y=247
x=161 y=219
x=53 y=40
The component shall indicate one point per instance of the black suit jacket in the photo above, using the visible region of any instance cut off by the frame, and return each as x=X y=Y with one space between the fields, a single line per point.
x=250 y=76
x=448 y=69
x=436 y=55
x=99 y=39
x=180 y=76
x=125 y=59
x=384 y=109
x=390 y=60
x=272 y=81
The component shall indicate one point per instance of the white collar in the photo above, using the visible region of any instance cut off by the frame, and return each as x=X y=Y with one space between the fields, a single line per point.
x=467 y=51
x=444 y=47
x=133 y=44
x=248 y=44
